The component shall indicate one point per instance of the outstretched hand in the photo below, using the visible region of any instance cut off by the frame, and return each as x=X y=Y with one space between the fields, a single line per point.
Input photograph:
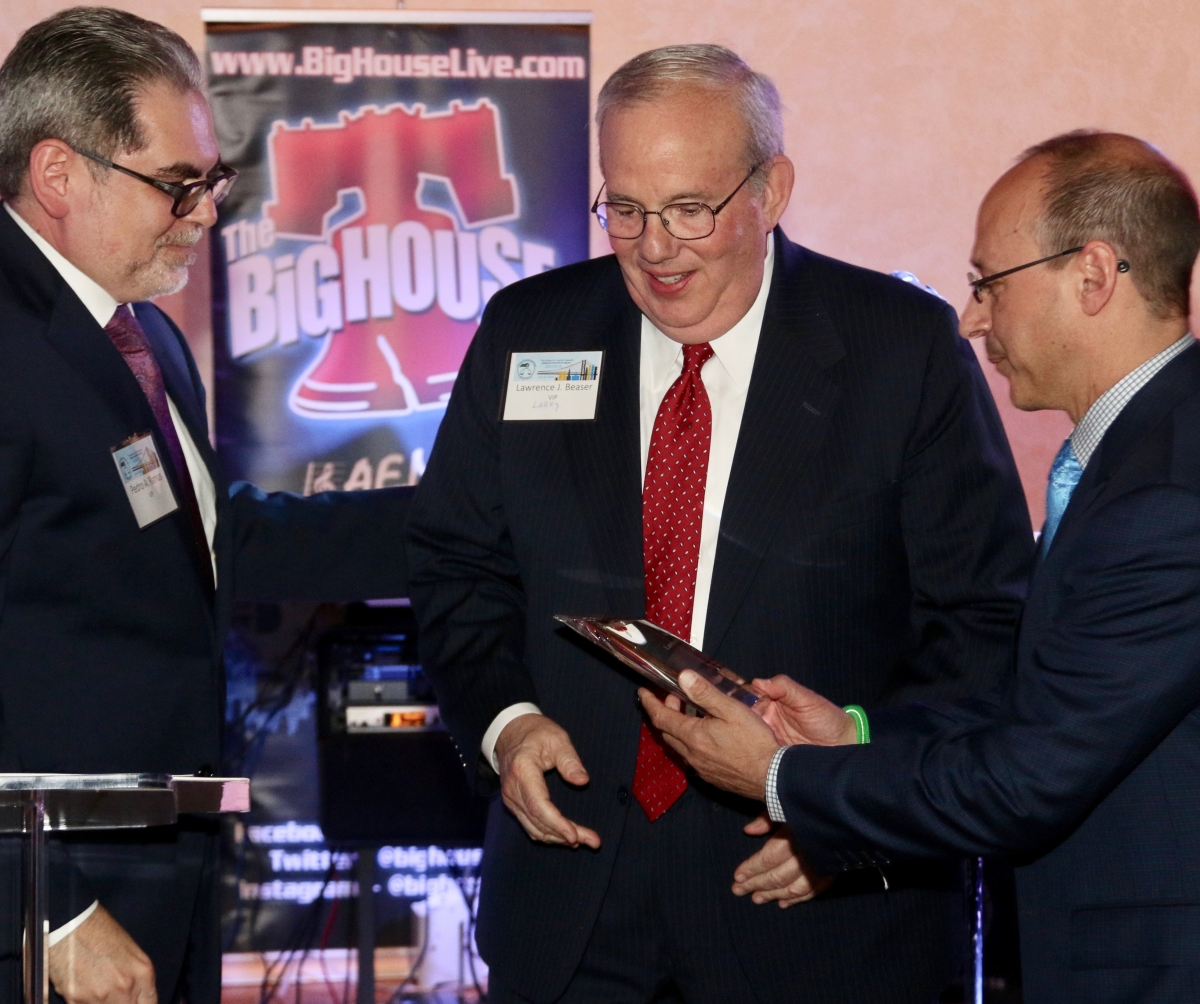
x=799 y=716
x=778 y=872
x=731 y=747
x=527 y=748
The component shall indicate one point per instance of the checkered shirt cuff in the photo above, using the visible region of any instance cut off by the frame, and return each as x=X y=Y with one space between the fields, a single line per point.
x=774 y=806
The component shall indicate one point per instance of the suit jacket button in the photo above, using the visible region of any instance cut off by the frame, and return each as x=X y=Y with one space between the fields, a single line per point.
x=622 y=795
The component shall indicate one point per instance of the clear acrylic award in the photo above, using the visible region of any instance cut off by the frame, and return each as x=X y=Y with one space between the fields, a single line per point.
x=658 y=655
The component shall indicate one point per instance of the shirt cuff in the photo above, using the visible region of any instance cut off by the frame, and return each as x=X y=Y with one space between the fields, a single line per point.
x=774 y=806
x=488 y=746
x=59 y=933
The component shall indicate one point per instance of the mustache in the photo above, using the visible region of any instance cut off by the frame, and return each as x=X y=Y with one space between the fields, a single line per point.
x=182 y=238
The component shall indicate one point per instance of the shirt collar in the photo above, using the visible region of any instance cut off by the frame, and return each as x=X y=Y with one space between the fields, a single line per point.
x=99 y=302
x=735 y=349
x=1105 y=409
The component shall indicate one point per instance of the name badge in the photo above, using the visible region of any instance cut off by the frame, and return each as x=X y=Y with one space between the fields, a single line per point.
x=146 y=485
x=552 y=386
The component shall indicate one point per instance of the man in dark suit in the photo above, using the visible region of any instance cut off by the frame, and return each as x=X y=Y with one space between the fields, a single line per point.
x=1086 y=764
x=121 y=548
x=792 y=461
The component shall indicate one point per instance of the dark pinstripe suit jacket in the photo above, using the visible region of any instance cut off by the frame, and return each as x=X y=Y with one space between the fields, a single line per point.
x=110 y=646
x=874 y=544
x=1087 y=763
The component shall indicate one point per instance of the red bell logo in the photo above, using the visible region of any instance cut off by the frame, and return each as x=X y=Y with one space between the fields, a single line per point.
x=398 y=210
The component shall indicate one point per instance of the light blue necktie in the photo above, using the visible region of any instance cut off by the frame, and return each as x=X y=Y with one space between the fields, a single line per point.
x=1064 y=476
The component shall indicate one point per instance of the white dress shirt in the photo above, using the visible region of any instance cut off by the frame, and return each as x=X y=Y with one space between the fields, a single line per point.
x=726 y=378
x=101 y=305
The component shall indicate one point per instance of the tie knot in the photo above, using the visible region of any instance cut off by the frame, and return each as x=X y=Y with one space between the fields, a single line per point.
x=1066 y=470
x=125 y=331
x=695 y=356
x=121 y=318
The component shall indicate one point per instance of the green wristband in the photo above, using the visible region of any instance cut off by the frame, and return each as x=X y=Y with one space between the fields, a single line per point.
x=861 y=727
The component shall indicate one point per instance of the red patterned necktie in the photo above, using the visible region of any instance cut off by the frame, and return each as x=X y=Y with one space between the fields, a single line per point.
x=131 y=341
x=672 y=511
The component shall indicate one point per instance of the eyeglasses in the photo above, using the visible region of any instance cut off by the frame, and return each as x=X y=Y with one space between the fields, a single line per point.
x=685 y=221
x=978 y=284
x=187 y=197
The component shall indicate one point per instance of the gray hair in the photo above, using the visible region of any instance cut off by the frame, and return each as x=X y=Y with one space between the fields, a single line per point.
x=659 y=71
x=1120 y=189
x=77 y=76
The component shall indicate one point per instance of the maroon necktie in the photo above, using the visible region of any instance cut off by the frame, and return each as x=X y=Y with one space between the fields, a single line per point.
x=131 y=341
x=672 y=511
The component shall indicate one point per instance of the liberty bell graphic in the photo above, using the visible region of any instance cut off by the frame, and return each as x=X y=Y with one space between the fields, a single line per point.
x=394 y=197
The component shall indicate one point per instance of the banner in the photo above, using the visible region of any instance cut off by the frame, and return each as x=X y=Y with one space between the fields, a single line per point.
x=396 y=171
x=394 y=176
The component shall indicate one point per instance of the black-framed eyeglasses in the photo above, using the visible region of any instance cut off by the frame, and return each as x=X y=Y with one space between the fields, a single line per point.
x=685 y=221
x=978 y=284
x=187 y=197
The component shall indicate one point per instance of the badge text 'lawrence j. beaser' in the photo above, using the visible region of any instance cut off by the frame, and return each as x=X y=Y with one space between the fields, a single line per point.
x=559 y=386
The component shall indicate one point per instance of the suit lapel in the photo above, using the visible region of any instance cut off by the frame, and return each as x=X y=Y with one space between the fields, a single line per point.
x=70 y=327
x=788 y=407
x=77 y=337
x=605 y=461
x=1179 y=379
x=172 y=364
x=177 y=378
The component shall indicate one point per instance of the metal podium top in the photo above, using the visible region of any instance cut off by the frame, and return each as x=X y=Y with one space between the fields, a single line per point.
x=67 y=782
x=116 y=801
x=34 y=804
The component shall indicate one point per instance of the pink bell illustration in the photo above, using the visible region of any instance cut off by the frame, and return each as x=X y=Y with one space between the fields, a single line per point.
x=392 y=201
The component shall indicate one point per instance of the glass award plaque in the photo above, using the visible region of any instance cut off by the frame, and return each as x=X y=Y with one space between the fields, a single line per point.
x=658 y=655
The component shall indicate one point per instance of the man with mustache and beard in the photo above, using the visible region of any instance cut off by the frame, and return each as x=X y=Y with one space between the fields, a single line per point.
x=120 y=547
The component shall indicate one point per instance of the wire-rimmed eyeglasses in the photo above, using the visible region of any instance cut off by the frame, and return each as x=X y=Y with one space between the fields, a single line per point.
x=978 y=284
x=685 y=221
x=187 y=197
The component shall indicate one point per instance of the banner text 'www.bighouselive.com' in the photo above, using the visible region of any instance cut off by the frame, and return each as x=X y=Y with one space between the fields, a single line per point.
x=364 y=61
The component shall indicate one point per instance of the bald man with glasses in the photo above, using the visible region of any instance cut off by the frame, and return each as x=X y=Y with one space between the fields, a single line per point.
x=1083 y=766
x=792 y=462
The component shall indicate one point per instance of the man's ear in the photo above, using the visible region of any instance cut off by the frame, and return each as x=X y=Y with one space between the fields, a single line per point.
x=781 y=175
x=54 y=176
x=1098 y=267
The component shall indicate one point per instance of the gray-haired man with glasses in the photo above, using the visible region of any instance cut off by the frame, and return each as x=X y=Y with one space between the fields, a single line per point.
x=792 y=462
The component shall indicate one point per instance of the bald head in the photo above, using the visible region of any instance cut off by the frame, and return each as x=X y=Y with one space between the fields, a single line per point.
x=1087 y=246
x=1118 y=189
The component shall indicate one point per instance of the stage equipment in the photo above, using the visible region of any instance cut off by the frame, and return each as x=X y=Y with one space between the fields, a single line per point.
x=390 y=773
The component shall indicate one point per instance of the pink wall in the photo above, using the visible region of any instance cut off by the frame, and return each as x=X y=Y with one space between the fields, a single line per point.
x=899 y=114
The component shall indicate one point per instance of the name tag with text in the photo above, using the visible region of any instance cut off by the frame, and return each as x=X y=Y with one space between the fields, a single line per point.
x=552 y=386
x=146 y=485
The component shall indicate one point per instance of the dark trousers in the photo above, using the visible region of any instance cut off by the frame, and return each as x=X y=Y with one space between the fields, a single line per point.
x=661 y=935
x=161 y=886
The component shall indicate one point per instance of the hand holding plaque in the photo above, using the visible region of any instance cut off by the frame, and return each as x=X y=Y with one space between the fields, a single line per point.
x=658 y=655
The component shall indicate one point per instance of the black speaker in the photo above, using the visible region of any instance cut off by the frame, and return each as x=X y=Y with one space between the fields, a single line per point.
x=389 y=771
